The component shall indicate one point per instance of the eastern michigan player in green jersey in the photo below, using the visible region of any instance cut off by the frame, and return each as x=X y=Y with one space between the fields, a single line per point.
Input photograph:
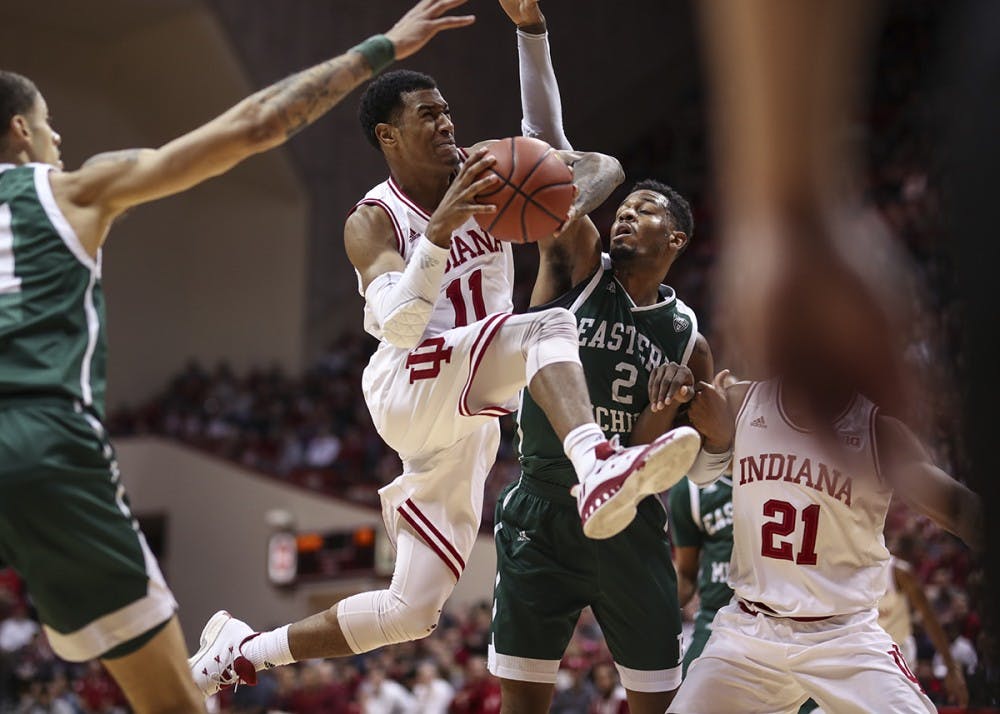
x=630 y=328
x=65 y=524
x=701 y=524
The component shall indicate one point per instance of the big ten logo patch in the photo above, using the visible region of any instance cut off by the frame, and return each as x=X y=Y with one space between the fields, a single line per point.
x=425 y=361
x=852 y=440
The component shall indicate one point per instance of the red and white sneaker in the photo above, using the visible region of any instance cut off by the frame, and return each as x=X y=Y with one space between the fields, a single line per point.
x=607 y=498
x=219 y=663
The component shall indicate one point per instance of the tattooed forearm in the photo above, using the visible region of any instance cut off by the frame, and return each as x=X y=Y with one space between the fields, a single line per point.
x=124 y=156
x=595 y=176
x=299 y=100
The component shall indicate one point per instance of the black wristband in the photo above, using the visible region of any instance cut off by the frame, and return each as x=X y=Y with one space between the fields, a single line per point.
x=378 y=51
x=535 y=29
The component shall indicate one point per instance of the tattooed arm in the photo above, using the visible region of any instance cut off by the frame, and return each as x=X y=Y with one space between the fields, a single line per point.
x=111 y=183
x=572 y=256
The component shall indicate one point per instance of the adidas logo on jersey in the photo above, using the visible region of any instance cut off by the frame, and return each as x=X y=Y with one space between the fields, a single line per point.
x=681 y=323
x=759 y=422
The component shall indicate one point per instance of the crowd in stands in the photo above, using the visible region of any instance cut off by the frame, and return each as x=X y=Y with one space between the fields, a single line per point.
x=445 y=673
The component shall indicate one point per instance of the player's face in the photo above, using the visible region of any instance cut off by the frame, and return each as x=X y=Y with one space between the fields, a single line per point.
x=642 y=226
x=44 y=141
x=426 y=131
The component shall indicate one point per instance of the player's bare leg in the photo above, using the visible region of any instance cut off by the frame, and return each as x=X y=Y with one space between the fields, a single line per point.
x=649 y=702
x=561 y=391
x=156 y=678
x=517 y=697
x=318 y=636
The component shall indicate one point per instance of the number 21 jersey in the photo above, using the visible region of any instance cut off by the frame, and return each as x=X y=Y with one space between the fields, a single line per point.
x=807 y=519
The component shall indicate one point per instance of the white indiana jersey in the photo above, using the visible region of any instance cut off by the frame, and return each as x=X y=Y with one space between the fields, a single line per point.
x=894 y=608
x=478 y=278
x=807 y=520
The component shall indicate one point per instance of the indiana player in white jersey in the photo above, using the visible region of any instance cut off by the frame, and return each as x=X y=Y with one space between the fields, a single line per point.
x=452 y=359
x=809 y=561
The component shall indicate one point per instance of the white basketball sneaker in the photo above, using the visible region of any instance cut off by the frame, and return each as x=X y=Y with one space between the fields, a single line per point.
x=219 y=663
x=607 y=498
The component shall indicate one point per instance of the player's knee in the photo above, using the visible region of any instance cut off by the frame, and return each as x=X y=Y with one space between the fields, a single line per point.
x=422 y=619
x=553 y=338
x=558 y=321
x=372 y=620
x=413 y=618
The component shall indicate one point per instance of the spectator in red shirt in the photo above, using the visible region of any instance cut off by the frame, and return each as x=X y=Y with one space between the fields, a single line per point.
x=481 y=692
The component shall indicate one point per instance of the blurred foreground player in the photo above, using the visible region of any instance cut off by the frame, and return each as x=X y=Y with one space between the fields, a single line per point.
x=807 y=289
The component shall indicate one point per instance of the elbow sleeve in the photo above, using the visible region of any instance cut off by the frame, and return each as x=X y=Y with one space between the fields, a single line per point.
x=404 y=302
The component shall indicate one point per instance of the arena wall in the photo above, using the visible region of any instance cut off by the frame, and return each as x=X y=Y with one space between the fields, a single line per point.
x=215 y=540
x=217 y=273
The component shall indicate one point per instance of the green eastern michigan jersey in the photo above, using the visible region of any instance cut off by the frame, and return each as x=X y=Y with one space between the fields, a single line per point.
x=703 y=518
x=620 y=344
x=52 y=335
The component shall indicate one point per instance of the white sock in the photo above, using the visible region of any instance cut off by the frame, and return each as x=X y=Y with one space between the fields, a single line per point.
x=269 y=649
x=579 y=447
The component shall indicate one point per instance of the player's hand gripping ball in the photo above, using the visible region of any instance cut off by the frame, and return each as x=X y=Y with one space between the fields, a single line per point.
x=535 y=194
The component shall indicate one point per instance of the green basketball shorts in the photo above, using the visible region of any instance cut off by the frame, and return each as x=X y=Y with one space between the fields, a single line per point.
x=65 y=526
x=548 y=571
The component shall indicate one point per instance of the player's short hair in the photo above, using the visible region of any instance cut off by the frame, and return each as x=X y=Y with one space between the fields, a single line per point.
x=17 y=95
x=383 y=99
x=677 y=205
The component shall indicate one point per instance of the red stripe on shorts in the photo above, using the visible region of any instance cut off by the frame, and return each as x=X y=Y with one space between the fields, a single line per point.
x=427 y=539
x=489 y=331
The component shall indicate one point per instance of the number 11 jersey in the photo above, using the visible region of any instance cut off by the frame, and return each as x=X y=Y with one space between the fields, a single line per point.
x=479 y=275
x=807 y=518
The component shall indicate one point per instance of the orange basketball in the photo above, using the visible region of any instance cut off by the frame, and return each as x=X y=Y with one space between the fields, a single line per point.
x=534 y=197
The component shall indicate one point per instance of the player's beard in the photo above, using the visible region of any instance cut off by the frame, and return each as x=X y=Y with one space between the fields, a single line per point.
x=622 y=253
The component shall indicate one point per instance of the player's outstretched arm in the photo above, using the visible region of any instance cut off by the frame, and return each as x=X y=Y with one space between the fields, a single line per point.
x=258 y=123
x=574 y=252
x=525 y=14
x=924 y=486
x=595 y=176
x=686 y=561
x=541 y=105
x=955 y=679
x=686 y=537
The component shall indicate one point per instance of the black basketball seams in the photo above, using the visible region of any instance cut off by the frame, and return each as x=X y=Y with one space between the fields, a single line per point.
x=507 y=183
x=531 y=197
x=517 y=191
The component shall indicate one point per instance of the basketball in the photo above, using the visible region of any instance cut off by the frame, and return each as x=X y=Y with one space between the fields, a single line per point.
x=537 y=190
